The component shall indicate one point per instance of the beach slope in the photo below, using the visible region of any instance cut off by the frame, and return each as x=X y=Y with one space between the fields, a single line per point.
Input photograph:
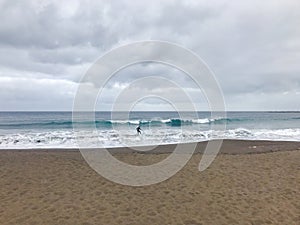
x=240 y=187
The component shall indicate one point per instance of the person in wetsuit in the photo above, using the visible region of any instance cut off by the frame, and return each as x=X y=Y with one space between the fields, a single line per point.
x=138 y=129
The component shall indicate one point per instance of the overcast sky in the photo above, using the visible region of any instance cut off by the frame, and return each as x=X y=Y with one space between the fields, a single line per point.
x=253 y=47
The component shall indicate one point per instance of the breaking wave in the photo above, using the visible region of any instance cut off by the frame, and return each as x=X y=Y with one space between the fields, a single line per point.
x=109 y=123
x=128 y=137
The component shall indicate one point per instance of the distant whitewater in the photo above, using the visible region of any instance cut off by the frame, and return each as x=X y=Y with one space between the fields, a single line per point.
x=22 y=130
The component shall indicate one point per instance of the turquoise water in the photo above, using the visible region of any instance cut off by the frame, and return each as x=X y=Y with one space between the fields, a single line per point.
x=55 y=129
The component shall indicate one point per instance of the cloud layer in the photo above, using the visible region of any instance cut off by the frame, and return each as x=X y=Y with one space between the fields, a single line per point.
x=252 y=46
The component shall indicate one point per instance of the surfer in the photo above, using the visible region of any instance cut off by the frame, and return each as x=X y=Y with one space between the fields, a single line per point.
x=138 y=129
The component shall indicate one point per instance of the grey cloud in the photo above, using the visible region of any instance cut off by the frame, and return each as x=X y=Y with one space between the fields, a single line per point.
x=19 y=59
x=68 y=55
x=252 y=46
x=25 y=26
x=32 y=94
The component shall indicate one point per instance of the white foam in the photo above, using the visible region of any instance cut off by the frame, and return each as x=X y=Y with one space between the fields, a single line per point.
x=129 y=137
x=166 y=121
x=201 y=121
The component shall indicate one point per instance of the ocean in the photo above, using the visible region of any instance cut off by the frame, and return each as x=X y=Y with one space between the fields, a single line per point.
x=27 y=130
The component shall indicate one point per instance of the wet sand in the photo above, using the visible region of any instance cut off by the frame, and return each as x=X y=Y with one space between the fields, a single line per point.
x=250 y=182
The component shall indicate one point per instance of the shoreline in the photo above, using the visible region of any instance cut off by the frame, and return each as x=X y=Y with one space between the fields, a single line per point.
x=229 y=146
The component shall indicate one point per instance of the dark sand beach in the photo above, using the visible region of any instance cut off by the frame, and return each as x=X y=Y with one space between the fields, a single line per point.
x=250 y=182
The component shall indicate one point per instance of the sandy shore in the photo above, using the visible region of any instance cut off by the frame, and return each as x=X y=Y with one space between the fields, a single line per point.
x=240 y=187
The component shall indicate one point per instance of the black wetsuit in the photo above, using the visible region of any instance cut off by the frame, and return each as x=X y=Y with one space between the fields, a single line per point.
x=138 y=129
